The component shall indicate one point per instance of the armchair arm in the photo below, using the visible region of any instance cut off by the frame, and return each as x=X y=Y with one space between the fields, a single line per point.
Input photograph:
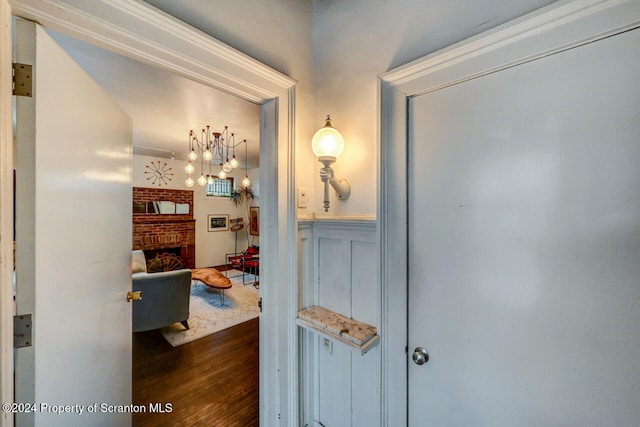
x=165 y=299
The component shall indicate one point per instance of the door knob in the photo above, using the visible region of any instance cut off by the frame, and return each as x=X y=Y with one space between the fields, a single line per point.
x=420 y=356
x=134 y=296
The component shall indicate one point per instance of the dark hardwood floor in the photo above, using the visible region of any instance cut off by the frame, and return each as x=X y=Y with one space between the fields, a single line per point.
x=212 y=381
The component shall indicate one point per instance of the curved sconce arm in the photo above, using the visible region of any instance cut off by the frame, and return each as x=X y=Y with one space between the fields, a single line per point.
x=341 y=186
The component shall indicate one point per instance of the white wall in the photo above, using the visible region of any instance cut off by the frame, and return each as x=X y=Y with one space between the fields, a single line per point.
x=335 y=50
x=354 y=42
x=211 y=247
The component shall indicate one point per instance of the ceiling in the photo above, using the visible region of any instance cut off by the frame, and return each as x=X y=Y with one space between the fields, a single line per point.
x=163 y=106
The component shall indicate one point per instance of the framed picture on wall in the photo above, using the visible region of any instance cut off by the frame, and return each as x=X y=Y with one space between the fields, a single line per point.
x=218 y=222
x=254 y=221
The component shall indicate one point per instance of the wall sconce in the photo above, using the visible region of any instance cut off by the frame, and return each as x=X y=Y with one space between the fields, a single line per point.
x=327 y=144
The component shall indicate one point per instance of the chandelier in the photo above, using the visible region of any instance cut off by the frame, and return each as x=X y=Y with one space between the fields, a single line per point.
x=212 y=152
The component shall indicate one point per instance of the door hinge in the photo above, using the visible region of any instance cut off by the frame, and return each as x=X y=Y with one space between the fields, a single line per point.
x=22 y=80
x=260 y=304
x=22 y=328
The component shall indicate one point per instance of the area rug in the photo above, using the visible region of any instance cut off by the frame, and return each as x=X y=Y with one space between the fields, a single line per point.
x=206 y=313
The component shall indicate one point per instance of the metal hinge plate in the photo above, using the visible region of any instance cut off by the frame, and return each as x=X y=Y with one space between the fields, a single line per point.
x=22 y=80
x=22 y=328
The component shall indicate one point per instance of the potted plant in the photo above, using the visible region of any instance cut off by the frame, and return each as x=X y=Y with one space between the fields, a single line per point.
x=243 y=196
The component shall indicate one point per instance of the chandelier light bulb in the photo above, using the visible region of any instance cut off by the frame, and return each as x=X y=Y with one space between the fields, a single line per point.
x=246 y=182
x=212 y=149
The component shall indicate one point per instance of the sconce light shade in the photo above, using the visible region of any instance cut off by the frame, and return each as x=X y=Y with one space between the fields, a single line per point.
x=327 y=141
x=327 y=144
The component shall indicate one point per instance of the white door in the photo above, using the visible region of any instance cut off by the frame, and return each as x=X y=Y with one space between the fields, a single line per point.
x=524 y=244
x=73 y=203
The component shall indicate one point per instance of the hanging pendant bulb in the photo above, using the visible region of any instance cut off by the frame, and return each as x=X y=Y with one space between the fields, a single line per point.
x=246 y=182
x=211 y=149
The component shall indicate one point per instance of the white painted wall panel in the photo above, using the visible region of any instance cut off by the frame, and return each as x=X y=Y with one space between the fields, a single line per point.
x=334 y=385
x=366 y=308
x=345 y=388
x=365 y=393
x=334 y=275
x=365 y=290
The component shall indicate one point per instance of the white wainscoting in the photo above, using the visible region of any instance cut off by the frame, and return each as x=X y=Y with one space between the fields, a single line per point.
x=338 y=269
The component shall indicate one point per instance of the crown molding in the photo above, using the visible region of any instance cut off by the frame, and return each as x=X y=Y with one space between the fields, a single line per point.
x=552 y=29
x=143 y=32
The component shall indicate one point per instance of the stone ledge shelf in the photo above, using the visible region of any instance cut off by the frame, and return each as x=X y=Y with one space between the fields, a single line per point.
x=358 y=335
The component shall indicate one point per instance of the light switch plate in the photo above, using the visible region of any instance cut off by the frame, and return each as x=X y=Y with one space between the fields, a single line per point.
x=303 y=197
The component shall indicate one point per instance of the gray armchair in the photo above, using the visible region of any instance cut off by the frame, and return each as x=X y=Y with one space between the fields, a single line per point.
x=165 y=296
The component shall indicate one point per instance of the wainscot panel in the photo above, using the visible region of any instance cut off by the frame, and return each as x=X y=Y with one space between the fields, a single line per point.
x=337 y=271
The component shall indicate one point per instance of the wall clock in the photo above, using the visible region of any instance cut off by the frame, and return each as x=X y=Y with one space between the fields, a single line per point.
x=158 y=173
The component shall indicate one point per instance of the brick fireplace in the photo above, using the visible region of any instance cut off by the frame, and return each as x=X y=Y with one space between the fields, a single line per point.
x=156 y=233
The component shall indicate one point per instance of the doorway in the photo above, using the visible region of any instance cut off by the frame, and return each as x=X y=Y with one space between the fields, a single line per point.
x=161 y=107
x=525 y=292
x=523 y=245
x=258 y=84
